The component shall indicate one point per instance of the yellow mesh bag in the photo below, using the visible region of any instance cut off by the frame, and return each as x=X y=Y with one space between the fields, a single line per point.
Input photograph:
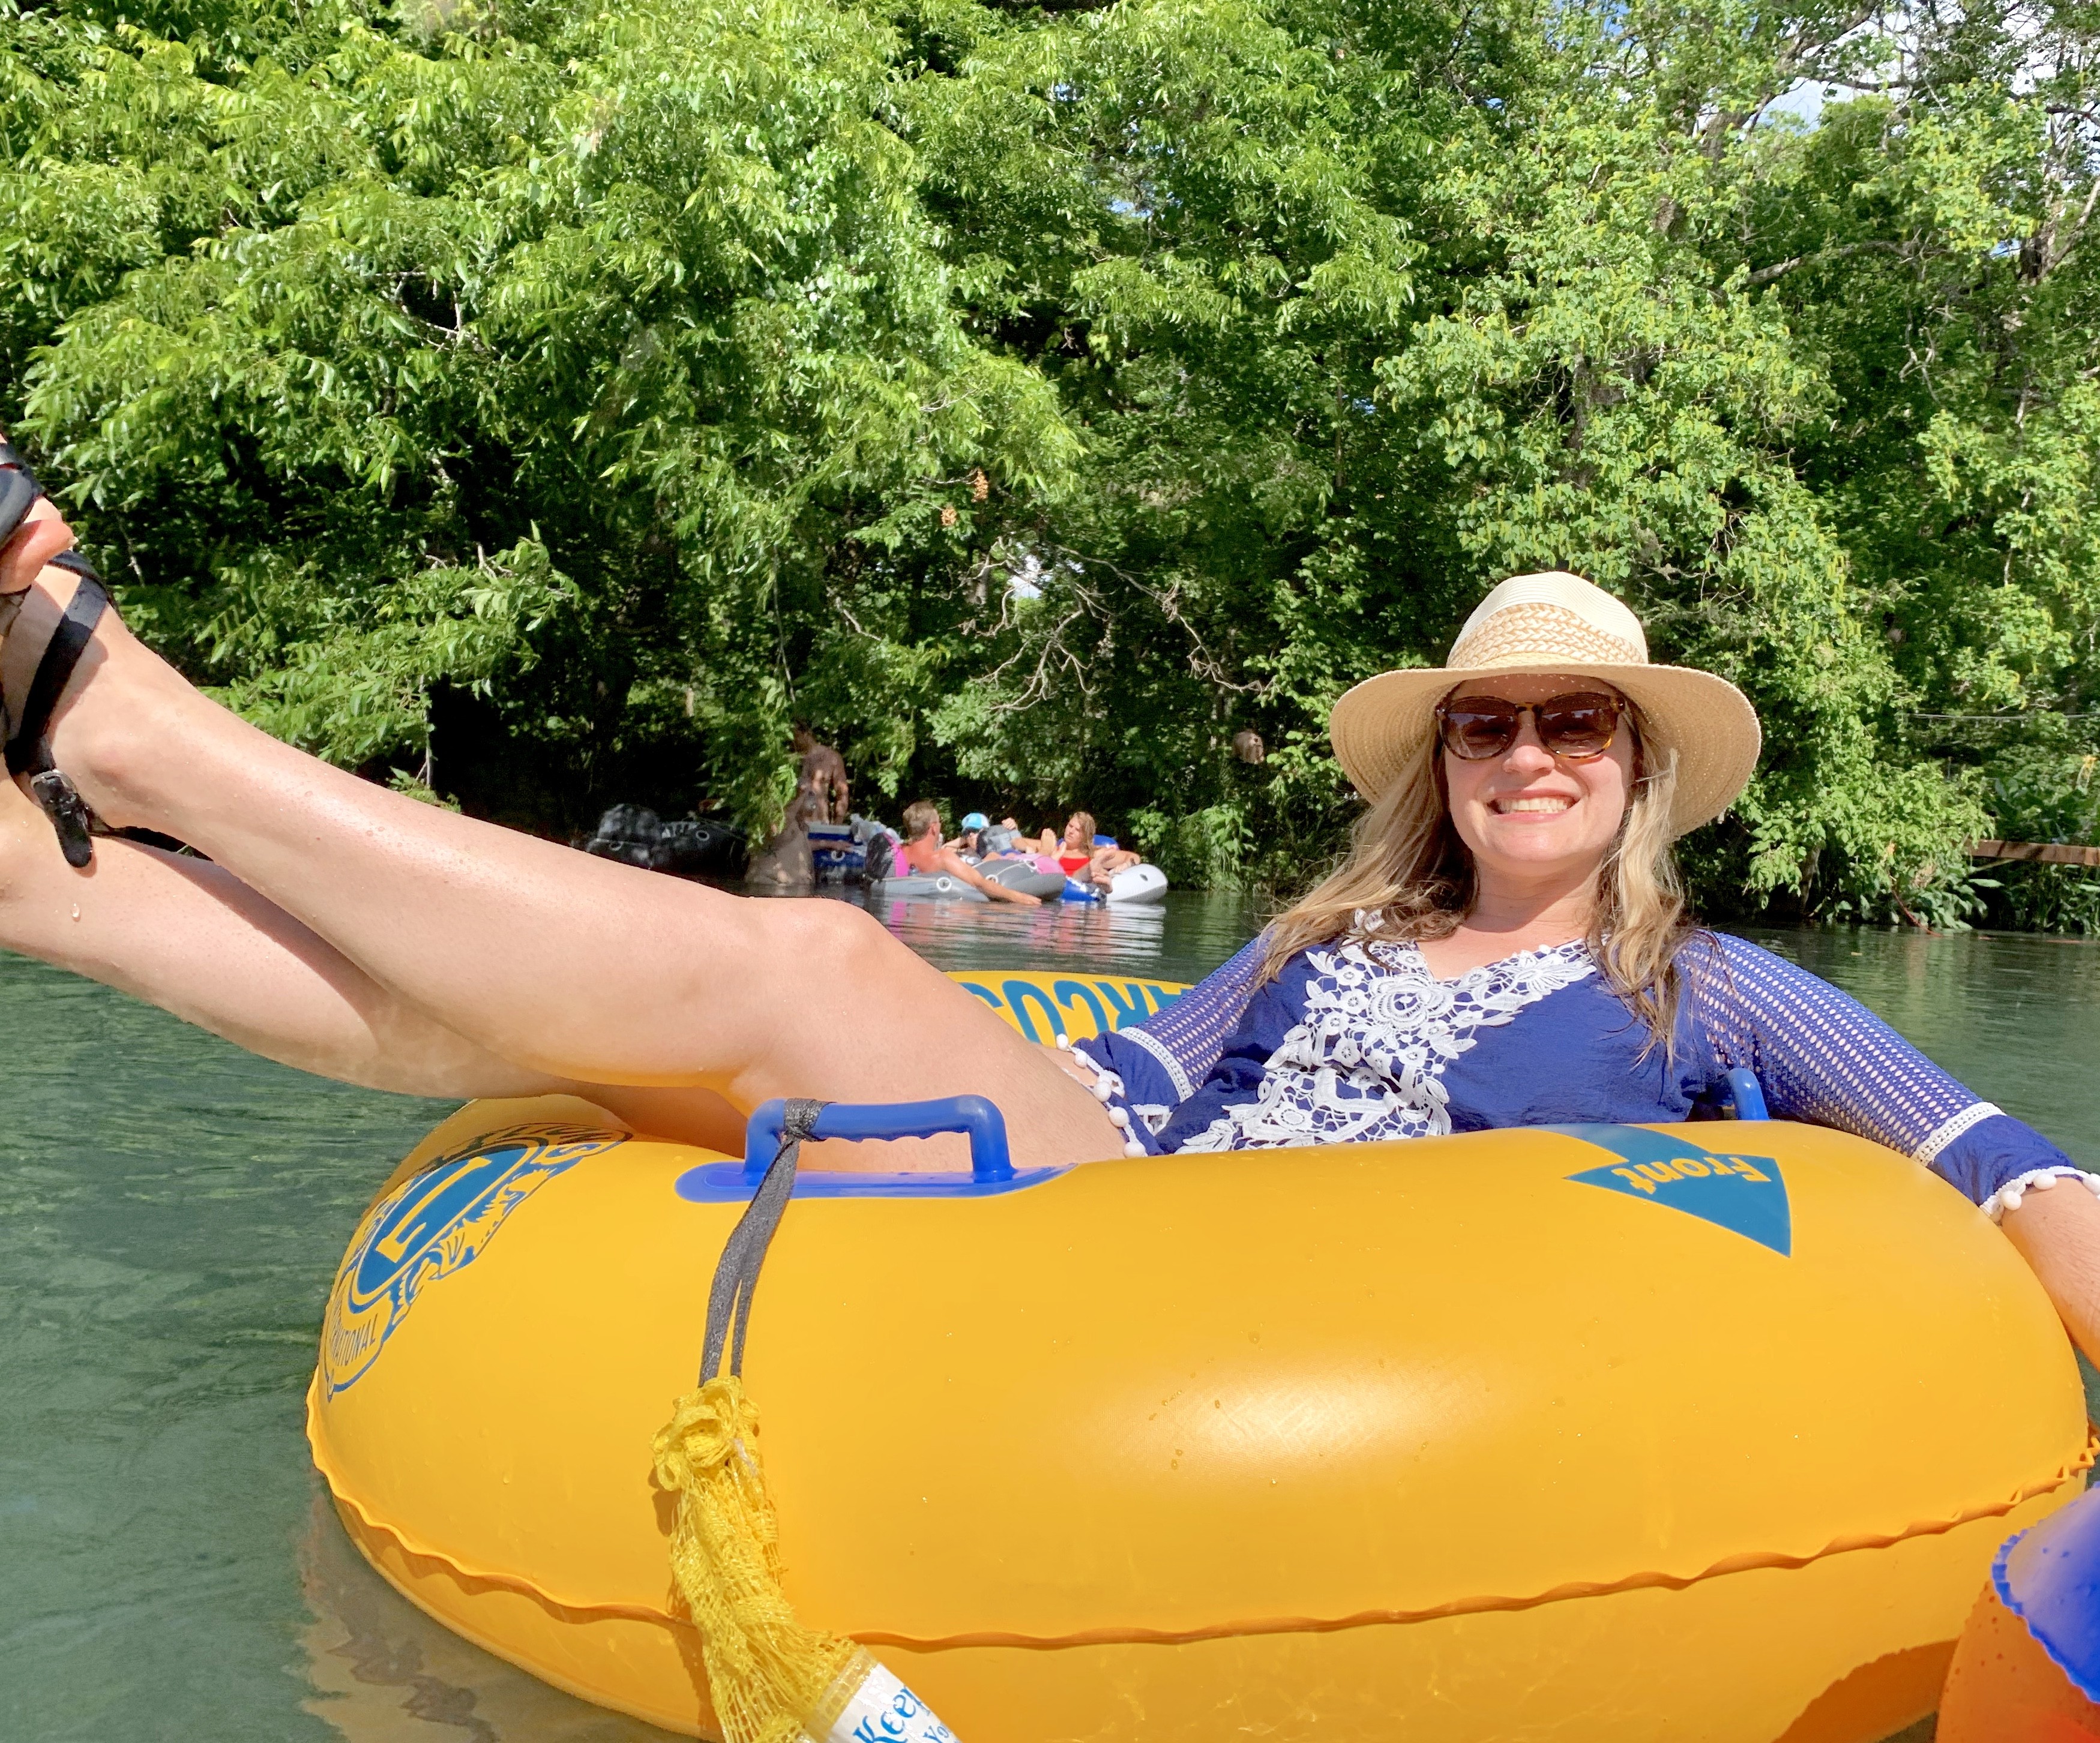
x=769 y=1674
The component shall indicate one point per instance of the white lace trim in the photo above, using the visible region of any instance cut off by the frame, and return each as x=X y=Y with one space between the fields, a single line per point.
x=1152 y=1115
x=2008 y=1196
x=1951 y=1128
x=1183 y=1089
x=1367 y=1058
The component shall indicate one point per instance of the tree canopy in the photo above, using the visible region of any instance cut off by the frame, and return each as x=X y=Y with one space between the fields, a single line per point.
x=545 y=405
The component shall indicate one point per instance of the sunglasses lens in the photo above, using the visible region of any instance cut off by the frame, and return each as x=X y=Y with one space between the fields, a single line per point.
x=1581 y=724
x=1476 y=729
x=1578 y=725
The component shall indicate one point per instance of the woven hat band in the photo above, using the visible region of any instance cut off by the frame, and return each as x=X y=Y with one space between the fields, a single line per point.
x=1535 y=630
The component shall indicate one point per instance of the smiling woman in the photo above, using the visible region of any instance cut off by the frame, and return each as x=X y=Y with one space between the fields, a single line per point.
x=1538 y=776
x=1507 y=945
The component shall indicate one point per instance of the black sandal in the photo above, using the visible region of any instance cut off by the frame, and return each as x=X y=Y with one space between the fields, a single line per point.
x=28 y=749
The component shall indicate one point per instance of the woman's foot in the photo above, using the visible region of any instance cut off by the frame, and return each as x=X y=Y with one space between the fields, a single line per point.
x=59 y=632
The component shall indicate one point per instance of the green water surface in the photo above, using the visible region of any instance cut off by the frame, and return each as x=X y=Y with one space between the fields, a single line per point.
x=171 y=1210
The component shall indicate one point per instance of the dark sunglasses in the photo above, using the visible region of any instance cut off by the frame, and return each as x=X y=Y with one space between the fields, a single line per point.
x=1578 y=726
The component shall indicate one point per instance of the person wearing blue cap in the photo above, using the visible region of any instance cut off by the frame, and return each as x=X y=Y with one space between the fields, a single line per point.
x=926 y=853
x=984 y=839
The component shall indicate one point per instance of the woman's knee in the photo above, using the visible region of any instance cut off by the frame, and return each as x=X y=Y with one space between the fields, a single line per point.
x=827 y=949
x=838 y=939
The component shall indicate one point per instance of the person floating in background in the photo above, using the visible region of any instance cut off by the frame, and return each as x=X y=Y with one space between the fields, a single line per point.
x=1075 y=849
x=925 y=852
x=787 y=862
x=1107 y=859
x=1002 y=840
x=1087 y=856
x=823 y=774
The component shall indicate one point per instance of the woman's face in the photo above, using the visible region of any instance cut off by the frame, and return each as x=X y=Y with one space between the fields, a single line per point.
x=1076 y=836
x=1527 y=816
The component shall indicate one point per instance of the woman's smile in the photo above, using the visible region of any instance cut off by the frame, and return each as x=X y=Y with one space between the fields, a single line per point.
x=1526 y=813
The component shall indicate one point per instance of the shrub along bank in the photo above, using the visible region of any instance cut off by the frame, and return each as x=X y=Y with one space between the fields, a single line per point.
x=546 y=406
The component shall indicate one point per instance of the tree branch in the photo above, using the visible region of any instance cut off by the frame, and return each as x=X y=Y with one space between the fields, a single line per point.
x=1780 y=269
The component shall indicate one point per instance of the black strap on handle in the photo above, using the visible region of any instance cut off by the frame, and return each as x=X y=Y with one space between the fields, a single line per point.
x=744 y=1255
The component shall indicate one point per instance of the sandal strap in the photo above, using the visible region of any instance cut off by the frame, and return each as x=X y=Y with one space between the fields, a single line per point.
x=18 y=496
x=28 y=752
x=71 y=816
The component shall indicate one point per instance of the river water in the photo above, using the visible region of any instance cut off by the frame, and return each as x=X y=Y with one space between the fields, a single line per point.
x=171 y=1210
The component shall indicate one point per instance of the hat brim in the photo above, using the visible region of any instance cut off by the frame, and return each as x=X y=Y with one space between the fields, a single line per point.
x=1380 y=728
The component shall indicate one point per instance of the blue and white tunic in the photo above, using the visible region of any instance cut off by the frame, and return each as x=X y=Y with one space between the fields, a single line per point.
x=1356 y=1039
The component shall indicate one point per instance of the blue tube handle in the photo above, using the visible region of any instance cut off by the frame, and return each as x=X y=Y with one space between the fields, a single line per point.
x=987 y=1126
x=1748 y=1094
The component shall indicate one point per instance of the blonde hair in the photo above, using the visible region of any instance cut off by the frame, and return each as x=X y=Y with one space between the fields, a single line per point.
x=1407 y=875
x=921 y=817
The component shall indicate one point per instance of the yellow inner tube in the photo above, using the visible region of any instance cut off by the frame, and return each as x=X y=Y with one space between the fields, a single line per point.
x=1599 y=1433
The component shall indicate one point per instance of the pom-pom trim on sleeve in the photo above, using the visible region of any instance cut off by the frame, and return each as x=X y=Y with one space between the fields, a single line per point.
x=2008 y=1196
x=1108 y=1089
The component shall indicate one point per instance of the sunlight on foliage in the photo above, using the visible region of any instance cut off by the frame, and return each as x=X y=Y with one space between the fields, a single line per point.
x=546 y=406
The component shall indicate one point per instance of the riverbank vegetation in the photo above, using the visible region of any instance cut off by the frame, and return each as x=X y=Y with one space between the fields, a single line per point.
x=547 y=406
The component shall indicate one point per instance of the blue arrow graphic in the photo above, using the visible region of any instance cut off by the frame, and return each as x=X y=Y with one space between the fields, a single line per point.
x=1745 y=1195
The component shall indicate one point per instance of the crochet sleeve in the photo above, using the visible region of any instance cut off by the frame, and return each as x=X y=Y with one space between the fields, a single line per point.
x=1161 y=1060
x=1823 y=1058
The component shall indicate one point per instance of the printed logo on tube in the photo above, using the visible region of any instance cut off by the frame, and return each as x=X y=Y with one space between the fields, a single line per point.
x=436 y=1223
x=884 y=1710
x=1043 y=1008
x=1745 y=1195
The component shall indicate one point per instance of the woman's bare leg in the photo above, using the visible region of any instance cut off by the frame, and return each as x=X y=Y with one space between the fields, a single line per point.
x=570 y=966
x=187 y=935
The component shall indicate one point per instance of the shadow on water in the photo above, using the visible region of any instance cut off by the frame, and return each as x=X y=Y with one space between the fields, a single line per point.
x=381 y=1671
x=171 y=1210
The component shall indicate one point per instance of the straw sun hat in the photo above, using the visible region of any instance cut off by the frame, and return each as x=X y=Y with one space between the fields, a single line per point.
x=1558 y=625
